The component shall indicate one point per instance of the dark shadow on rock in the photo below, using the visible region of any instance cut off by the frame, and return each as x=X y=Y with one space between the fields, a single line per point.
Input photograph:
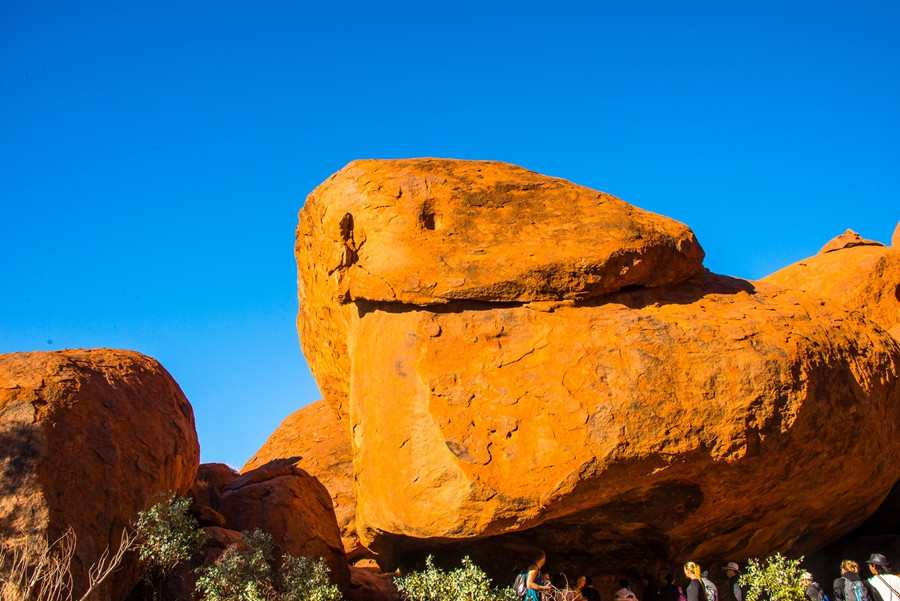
x=634 y=297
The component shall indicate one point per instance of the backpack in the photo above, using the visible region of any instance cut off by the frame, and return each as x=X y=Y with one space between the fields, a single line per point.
x=855 y=590
x=819 y=591
x=520 y=584
x=681 y=595
x=711 y=593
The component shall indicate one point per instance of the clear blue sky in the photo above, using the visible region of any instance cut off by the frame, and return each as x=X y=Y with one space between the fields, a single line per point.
x=154 y=155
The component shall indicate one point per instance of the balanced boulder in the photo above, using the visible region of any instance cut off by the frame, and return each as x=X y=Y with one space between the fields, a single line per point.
x=523 y=363
x=430 y=232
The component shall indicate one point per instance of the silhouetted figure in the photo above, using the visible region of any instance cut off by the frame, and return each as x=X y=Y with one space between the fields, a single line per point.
x=624 y=593
x=669 y=591
x=588 y=591
x=651 y=591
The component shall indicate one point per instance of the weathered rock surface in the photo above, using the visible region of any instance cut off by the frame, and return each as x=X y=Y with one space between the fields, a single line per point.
x=847 y=240
x=370 y=584
x=671 y=423
x=608 y=422
x=430 y=231
x=314 y=440
x=88 y=438
x=859 y=278
x=293 y=507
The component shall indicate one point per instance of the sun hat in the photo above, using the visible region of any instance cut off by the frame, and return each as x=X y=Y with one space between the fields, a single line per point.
x=878 y=560
x=731 y=566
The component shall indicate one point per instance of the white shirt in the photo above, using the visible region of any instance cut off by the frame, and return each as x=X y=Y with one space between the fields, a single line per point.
x=882 y=586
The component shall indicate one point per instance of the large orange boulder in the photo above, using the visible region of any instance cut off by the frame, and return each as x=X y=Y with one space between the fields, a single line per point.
x=314 y=440
x=612 y=416
x=88 y=438
x=428 y=232
x=864 y=278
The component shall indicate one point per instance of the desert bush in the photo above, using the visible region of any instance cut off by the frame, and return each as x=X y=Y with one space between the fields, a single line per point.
x=245 y=572
x=468 y=582
x=775 y=579
x=168 y=534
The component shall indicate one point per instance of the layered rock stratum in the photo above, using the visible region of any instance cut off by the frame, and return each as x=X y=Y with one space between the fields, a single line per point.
x=88 y=438
x=519 y=362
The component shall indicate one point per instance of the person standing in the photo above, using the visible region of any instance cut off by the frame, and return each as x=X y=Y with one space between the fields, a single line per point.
x=733 y=592
x=695 y=589
x=669 y=591
x=884 y=585
x=849 y=586
x=813 y=590
x=533 y=578
x=588 y=591
x=651 y=591
x=625 y=593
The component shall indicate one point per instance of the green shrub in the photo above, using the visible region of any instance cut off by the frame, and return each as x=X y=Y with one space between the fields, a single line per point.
x=775 y=579
x=303 y=579
x=244 y=572
x=466 y=583
x=168 y=534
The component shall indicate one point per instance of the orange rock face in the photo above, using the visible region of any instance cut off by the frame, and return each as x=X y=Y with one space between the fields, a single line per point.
x=683 y=417
x=859 y=278
x=314 y=440
x=88 y=438
x=428 y=232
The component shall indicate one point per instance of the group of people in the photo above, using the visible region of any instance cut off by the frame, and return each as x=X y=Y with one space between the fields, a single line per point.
x=850 y=586
x=540 y=587
x=882 y=585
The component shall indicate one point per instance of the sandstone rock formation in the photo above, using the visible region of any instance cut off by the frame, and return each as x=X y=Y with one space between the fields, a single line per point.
x=847 y=240
x=88 y=438
x=524 y=363
x=860 y=278
x=430 y=232
x=280 y=499
x=314 y=440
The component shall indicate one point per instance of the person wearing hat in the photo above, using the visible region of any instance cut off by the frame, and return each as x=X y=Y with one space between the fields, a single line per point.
x=733 y=591
x=884 y=585
x=813 y=589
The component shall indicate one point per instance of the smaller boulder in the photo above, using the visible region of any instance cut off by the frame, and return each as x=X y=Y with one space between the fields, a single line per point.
x=315 y=440
x=294 y=508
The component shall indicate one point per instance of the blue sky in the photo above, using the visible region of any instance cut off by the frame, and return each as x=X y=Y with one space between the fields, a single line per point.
x=154 y=156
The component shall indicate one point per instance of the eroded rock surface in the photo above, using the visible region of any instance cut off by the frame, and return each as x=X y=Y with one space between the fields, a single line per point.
x=429 y=232
x=848 y=239
x=609 y=416
x=314 y=440
x=88 y=438
x=861 y=278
